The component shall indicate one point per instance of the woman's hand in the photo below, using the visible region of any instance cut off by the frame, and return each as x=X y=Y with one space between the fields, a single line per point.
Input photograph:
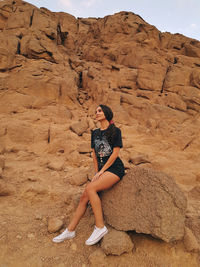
x=97 y=175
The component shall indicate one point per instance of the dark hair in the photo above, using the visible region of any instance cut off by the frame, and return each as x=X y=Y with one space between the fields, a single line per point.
x=111 y=131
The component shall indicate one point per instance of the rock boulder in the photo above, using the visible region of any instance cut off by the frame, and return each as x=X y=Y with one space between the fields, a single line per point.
x=148 y=202
x=116 y=243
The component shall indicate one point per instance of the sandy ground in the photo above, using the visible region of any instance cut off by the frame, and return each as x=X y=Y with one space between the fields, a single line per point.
x=40 y=194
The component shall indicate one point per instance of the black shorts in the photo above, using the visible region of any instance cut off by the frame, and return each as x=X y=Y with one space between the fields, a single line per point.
x=117 y=167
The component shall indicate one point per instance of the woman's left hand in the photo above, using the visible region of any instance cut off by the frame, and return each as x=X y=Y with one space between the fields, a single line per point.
x=97 y=175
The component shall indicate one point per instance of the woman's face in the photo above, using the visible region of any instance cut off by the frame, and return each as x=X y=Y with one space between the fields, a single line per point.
x=100 y=114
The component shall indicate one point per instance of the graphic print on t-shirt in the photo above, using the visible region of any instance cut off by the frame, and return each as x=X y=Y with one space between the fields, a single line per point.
x=102 y=147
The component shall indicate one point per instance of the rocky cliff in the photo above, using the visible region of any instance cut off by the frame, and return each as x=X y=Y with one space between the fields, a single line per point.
x=54 y=70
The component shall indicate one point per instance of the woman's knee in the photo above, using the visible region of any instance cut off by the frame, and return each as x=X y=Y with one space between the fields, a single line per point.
x=89 y=189
x=84 y=198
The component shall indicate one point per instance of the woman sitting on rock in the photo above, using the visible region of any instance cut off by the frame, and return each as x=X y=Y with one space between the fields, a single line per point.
x=106 y=143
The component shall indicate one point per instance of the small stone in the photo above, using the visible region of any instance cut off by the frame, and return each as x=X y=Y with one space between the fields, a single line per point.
x=55 y=174
x=190 y=241
x=84 y=147
x=116 y=243
x=54 y=225
x=73 y=247
x=5 y=189
x=56 y=164
x=139 y=158
x=79 y=178
x=31 y=236
x=32 y=179
x=19 y=237
x=44 y=220
x=38 y=217
x=97 y=258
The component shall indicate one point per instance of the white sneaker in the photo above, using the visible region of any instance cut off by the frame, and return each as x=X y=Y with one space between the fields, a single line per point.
x=97 y=234
x=65 y=235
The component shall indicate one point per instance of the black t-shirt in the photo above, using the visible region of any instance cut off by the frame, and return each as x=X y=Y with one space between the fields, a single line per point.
x=101 y=145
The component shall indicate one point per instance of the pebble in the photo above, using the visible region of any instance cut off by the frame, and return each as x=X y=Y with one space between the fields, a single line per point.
x=38 y=217
x=31 y=236
x=73 y=246
x=54 y=225
x=19 y=237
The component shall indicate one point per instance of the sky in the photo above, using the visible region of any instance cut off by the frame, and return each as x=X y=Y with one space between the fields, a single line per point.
x=175 y=16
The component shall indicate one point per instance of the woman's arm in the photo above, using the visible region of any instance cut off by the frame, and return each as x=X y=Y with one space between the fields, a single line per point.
x=95 y=160
x=109 y=162
x=111 y=159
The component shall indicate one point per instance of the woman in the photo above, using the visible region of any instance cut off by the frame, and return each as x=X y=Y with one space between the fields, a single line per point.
x=109 y=169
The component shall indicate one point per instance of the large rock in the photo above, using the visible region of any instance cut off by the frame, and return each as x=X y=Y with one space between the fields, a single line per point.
x=148 y=202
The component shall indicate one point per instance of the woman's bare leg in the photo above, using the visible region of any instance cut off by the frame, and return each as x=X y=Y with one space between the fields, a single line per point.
x=78 y=214
x=105 y=181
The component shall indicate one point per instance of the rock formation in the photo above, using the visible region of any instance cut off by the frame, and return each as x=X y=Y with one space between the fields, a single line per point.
x=54 y=70
x=148 y=202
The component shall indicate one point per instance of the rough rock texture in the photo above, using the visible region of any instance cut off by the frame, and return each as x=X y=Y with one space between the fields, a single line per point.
x=148 y=202
x=116 y=243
